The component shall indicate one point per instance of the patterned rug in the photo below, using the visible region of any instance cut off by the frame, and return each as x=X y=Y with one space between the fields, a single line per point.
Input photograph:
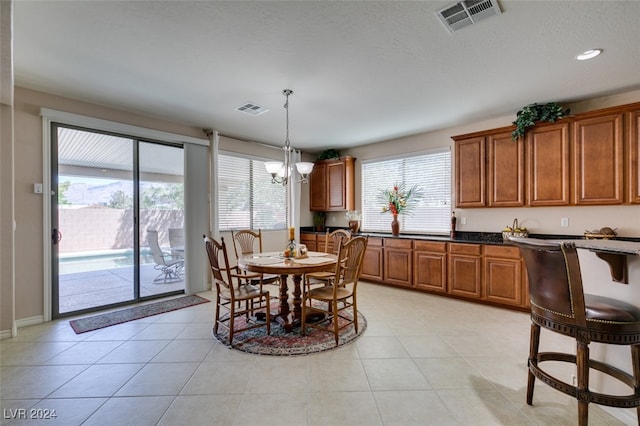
x=96 y=322
x=281 y=343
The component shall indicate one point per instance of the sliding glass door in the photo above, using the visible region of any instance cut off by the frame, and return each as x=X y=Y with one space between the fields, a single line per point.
x=108 y=190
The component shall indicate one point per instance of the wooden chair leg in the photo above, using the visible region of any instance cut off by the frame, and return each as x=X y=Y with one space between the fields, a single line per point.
x=534 y=344
x=336 y=332
x=582 y=364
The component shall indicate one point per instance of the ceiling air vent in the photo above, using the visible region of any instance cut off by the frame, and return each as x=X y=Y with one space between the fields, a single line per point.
x=251 y=109
x=468 y=12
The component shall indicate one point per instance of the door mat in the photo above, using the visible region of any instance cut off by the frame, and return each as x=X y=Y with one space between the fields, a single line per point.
x=96 y=322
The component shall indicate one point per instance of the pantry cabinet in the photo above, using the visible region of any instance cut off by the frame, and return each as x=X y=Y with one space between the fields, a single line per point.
x=332 y=185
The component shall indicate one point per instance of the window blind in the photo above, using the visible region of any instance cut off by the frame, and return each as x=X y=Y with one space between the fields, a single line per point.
x=431 y=171
x=246 y=196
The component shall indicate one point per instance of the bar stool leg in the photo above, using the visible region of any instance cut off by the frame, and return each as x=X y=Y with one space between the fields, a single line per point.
x=582 y=362
x=534 y=344
x=635 y=359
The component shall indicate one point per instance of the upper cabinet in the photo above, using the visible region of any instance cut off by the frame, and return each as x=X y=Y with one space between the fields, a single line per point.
x=579 y=160
x=548 y=165
x=332 y=185
x=598 y=169
x=634 y=155
x=470 y=172
x=506 y=170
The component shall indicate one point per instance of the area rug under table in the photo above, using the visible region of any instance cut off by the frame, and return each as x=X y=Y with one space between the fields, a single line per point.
x=281 y=343
x=96 y=322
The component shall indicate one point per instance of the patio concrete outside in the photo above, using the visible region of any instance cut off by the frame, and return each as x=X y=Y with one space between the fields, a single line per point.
x=85 y=290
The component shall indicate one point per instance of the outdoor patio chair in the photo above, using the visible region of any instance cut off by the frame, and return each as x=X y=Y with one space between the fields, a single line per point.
x=170 y=268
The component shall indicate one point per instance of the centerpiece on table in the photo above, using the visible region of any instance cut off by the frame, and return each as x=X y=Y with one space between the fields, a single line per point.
x=396 y=201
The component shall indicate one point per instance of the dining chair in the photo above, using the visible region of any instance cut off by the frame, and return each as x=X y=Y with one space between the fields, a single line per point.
x=170 y=267
x=559 y=304
x=339 y=296
x=332 y=242
x=232 y=289
x=245 y=242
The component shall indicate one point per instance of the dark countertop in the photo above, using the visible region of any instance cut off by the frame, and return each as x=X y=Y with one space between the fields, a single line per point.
x=462 y=237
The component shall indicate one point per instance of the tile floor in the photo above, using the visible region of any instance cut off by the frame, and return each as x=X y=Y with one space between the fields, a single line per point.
x=423 y=360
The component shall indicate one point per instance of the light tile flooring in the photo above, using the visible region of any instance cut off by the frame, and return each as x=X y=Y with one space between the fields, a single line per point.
x=423 y=360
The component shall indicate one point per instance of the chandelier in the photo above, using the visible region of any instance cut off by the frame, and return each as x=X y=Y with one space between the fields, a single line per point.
x=281 y=171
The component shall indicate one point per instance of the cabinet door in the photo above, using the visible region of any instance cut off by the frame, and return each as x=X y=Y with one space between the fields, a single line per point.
x=335 y=186
x=318 y=187
x=634 y=157
x=398 y=262
x=372 y=262
x=309 y=239
x=597 y=145
x=430 y=271
x=503 y=281
x=464 y=270
x=464 y=275
x=506 y=170
x=470 y=172
x=548 y=179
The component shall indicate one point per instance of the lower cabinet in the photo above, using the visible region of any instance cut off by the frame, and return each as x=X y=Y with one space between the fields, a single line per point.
x=309 y=239
x=464 y=270
x=397 y=265
x=373 y=260
x=476 y=272
x=503 y=279
x=430 y=266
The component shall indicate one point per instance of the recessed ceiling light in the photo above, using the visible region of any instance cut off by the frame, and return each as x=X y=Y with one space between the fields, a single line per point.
x=588 y=54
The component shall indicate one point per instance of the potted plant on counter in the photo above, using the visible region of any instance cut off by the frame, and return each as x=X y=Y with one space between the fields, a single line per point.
x=319 y=219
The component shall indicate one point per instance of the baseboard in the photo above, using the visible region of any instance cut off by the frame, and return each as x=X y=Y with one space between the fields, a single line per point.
x=25 y=322
x=5 y=334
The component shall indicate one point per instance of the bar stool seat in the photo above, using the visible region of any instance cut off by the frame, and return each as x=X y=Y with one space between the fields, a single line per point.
x=559 y=304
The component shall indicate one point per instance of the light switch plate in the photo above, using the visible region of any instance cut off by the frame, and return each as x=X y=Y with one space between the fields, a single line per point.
x=564 y=222
x=37 y=188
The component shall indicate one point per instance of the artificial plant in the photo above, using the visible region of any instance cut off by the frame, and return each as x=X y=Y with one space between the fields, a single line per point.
x=528 y=116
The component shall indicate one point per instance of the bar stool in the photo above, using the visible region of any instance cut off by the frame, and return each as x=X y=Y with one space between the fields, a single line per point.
x=558 y=303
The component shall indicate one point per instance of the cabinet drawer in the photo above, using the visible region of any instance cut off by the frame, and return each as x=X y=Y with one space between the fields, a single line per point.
x=374 y=241
x=306 y=237
x=465 y=248
x=502 y=251
x=429 y=246
x=397 y=243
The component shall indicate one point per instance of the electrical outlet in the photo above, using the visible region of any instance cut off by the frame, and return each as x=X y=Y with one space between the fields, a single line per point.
x=564 y=222
x=463 y=220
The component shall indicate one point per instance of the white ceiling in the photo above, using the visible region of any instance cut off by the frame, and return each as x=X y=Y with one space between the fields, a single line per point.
x=361 y=71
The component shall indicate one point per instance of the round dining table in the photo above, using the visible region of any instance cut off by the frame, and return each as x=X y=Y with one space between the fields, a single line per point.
x=275 y=263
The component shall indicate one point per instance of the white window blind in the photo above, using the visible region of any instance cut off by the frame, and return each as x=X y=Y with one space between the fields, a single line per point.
x=246 y=196
x=431 y=171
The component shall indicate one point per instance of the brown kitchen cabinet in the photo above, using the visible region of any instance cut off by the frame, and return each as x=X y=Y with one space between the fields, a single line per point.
x=372 y=263
x=503 y=275
x=548 y=161
x=464 y=274
x=505 y=170
x=430 y=266
x=597 y=146
x=332 y=185
x=309 y=239
x=470 y=172
x=633 y=118
x=397 y=268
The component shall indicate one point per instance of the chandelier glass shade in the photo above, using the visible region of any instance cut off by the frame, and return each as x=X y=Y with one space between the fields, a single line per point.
x=280 y=171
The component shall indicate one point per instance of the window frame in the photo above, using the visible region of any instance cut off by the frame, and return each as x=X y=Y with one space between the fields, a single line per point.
x=373 y=220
